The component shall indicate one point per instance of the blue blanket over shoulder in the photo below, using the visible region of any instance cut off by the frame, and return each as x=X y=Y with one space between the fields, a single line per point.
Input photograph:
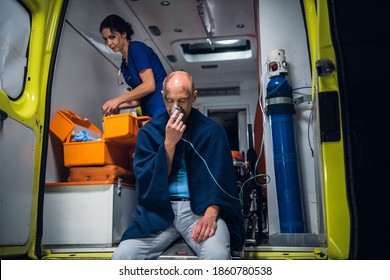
x=154 y=211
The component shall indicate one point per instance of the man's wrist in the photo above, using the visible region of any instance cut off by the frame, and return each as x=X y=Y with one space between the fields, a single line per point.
x=212 y=211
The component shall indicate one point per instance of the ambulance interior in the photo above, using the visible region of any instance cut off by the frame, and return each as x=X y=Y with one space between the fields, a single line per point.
x=90 y=217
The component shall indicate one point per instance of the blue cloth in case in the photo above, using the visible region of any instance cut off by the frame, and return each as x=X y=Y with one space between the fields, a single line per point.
x=83 y=135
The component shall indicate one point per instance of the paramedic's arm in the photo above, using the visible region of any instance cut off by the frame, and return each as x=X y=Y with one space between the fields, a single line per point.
x=147 y=86
x=129 y=104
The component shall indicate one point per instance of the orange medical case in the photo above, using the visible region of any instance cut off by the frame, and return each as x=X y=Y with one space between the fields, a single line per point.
x=98 y=152
x=106 y=173
x=123 y=128
x=113 y=147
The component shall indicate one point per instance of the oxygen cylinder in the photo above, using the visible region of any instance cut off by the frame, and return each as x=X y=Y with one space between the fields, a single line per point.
x=280 y=108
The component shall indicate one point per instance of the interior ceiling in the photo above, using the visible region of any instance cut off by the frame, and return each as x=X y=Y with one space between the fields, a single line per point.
x=221 y=19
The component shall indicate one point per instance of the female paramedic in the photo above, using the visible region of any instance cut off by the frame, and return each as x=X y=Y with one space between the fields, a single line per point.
x=141 y=68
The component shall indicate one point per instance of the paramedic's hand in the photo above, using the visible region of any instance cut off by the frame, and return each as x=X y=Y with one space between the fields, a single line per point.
x=111 y=107
x=174 y=129
x=207 y=225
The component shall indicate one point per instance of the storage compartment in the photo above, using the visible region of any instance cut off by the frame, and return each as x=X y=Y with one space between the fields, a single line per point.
x=101 y=151
x=86 y=214
x=112 y=173
x=66 y=122
x=123 y=128
x=98 y=152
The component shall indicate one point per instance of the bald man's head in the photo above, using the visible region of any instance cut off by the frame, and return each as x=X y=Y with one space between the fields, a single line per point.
x=178 y=90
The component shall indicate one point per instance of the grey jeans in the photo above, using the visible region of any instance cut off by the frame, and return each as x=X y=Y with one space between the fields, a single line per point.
x=153 y=245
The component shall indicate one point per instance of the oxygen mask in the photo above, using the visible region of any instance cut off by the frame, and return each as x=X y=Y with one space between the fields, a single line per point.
x=175 y=108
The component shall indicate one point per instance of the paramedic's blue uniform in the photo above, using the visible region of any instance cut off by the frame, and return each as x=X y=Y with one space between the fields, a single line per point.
x=141 y=56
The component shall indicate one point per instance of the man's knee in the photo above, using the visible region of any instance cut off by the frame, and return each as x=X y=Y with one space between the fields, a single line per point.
x=125 y=252
x=215 y=253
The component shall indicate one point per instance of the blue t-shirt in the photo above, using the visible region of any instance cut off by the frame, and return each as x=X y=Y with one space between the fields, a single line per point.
x=178 y=182
x=141 y=56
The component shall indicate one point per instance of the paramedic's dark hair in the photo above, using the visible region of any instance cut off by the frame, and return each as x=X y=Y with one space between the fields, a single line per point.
x=118 y=24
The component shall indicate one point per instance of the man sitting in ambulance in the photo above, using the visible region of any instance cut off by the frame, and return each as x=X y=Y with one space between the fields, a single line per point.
x=185 y=181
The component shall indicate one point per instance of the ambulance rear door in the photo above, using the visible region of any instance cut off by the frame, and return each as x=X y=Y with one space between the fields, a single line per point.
x=27 y=36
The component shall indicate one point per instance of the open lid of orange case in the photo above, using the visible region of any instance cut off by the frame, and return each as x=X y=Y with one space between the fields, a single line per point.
x=65 y=122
